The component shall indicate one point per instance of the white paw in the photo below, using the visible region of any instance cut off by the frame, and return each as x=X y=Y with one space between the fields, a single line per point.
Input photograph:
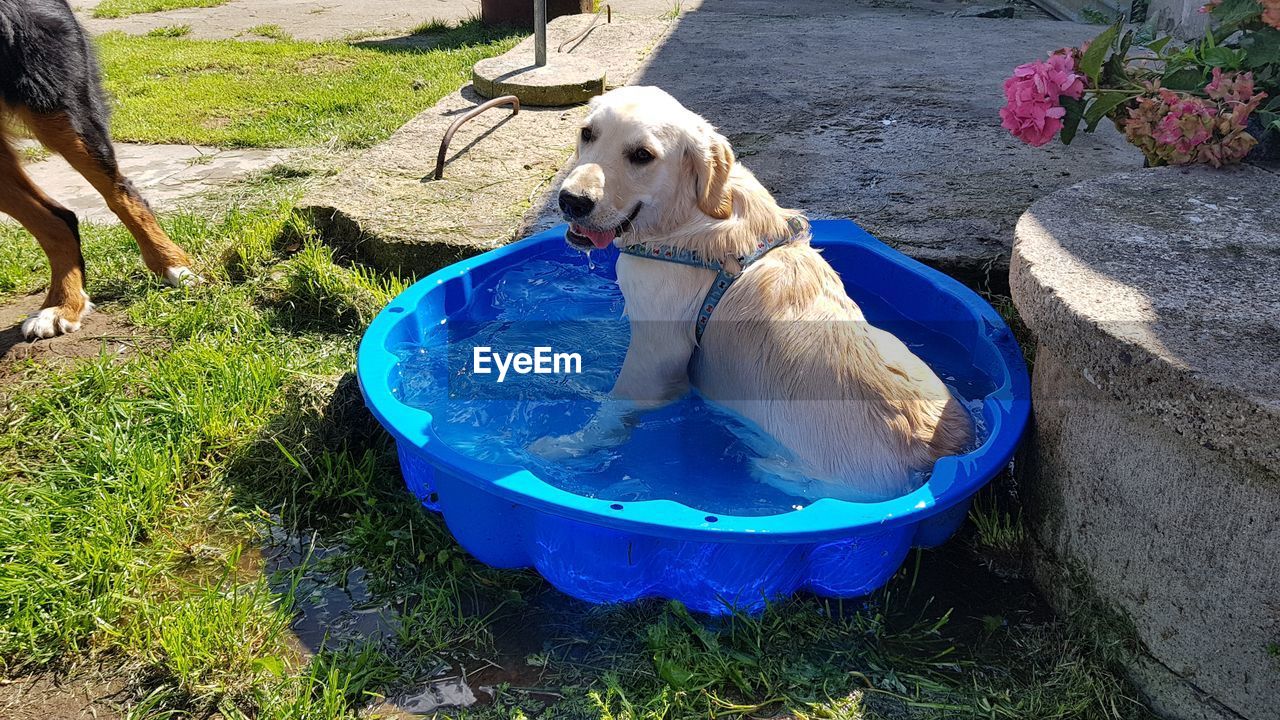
x=562 y=447
x=181 y=277
x=46 y=323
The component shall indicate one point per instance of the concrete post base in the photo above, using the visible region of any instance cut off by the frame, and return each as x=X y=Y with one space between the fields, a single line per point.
x=564 y=80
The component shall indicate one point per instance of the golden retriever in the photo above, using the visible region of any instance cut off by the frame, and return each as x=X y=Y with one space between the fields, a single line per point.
x=785 y=347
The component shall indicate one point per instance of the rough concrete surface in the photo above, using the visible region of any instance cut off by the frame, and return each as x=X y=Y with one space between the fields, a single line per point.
x=1161 y=284
x=498 y=165
x=886 y=116
x=1154 y=463
x=1181 y=539
x=564 y=80
x=164 y=174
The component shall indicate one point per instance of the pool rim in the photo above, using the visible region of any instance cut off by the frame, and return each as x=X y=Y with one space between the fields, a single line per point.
x=1005 y=409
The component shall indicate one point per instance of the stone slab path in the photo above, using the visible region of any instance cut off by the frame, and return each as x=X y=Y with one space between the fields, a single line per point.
x=887 y=116
x=164 y=174
x=498 y=166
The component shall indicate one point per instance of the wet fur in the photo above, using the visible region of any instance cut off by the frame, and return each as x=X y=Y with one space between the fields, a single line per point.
x=786 y=347
x=49 y=85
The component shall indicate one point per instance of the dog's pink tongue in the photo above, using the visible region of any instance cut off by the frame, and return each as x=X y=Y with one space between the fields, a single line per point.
x=599 y=238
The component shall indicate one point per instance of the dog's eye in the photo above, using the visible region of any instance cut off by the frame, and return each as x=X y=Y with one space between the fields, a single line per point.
x=586 y=135
x=640 y=156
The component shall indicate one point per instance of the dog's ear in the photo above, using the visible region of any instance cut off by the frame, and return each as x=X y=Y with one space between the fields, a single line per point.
x=712 y=170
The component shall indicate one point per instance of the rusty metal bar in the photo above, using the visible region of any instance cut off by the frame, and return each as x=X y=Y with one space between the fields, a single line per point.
x=511 y=100
x=595 y=19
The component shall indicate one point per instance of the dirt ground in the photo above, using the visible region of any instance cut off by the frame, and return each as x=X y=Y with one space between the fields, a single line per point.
x=49 y=697
x=101 y=333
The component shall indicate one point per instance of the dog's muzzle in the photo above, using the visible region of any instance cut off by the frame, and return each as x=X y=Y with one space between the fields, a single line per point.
x=586 y=238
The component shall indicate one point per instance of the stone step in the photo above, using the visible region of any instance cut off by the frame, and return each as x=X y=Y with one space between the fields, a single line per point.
x=499 y=166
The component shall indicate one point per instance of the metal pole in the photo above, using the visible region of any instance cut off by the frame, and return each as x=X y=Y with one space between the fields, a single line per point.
x=540 y=32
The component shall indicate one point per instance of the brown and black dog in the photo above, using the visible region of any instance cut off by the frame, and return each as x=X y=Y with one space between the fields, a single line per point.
x=49 y=83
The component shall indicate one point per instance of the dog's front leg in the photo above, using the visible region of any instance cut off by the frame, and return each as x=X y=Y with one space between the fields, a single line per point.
x=654 y=373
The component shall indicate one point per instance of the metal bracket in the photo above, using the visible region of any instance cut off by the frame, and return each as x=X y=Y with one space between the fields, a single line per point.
x=511 y=100
x=595 y=19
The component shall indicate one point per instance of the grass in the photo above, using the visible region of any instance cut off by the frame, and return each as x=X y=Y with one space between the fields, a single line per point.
x=271 y=32
x=170 y=31
x=34 y=154
x=285 y=93
x=123 y=8
x=998 y=529
x=141 y=483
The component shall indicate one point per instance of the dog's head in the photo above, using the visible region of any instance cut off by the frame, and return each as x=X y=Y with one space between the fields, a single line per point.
x=644 y=164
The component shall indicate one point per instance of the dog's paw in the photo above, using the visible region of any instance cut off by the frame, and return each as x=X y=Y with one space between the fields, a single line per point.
x=181 y=277
x=54 y=321
x=560 y=447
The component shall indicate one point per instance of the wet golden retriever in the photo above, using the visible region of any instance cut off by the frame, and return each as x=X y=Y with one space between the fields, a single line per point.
x=785 y=347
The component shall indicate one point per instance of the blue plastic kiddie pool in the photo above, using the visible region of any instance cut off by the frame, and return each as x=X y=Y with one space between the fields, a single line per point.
x=461 y=436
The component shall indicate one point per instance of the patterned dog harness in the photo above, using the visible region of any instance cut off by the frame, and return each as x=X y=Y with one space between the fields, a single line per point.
x=724 y=276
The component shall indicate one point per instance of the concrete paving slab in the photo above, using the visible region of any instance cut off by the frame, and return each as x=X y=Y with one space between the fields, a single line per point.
x=499 y=165
x=885 y=116
x=164 y=174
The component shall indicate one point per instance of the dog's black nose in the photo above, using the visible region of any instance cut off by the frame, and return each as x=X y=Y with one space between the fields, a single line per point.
x=575 y=206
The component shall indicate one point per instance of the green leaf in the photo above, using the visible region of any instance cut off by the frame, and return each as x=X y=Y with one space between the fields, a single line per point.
x=1263 y=47
x=1224 y=57
x=1102 y=106
x=1158 y=45
x=1071 y=121
x=271 y=664
x=1270 y=120
x=1113 y=71
x=1186 y=79
x=1234 y=11
x=1091 y=60
x=673 y=674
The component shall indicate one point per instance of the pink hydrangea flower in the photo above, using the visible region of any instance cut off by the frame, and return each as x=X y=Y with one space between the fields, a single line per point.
x=1271 y=13
x=1187 y=123
x=1176 y=129
x=1230 y=86
x=1033 y=111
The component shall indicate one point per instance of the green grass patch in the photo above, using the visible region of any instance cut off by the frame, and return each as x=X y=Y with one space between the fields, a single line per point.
x=34 y=154
x=285 y=93
x=271 y=32
x=998 y=528
x=170 y=31
x=122 y=8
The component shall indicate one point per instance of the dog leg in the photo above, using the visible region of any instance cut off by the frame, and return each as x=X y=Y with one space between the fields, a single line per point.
x=58 y=232
x=654 y=373
x=88 y=148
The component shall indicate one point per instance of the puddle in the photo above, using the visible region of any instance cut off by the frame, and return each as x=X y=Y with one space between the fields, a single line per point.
x=444 y=694
x=332 y=613
x=331 y=610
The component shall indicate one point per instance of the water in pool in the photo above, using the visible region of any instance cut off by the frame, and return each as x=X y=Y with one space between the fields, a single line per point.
x=690 y=451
